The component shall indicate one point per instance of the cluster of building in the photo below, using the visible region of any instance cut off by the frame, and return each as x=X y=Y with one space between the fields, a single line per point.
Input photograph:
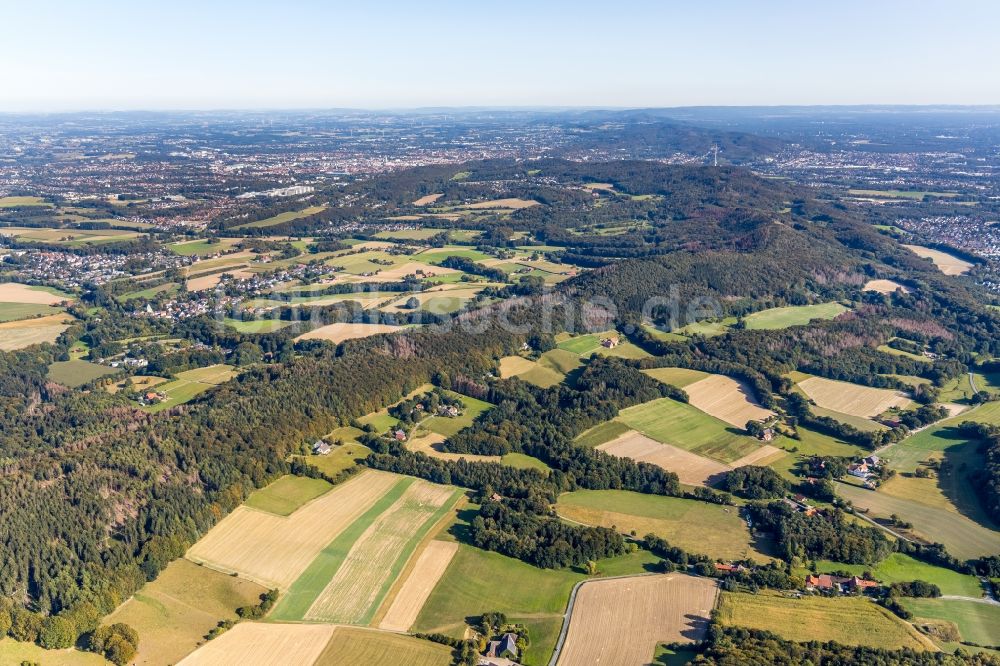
x=867 y=469
x=71 y=270
x=841 y=584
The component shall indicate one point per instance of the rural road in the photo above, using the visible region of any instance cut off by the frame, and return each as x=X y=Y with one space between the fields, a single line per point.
x=880 y=525
x=978 y=600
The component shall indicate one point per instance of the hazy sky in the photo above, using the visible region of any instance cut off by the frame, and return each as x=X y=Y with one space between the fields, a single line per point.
x=183 y=54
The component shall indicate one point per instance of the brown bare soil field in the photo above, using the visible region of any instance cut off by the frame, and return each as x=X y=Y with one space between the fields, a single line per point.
x=337 y=333
x=948 y=264
x=275 y=550
x=368 y=566
x=15 y=292
x=427 y=200
x=727 y=399
x=259 y=644
x=885 y=286
x=27 y=332
x=503 y=203
x=427 y=571
x=619 y=622
x=691 y=468
x=430 y=445
x=852 y=399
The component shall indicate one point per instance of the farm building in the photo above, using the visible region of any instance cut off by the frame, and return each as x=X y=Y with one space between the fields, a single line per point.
x=320 y=448
x=504 y=648
x=843 y=584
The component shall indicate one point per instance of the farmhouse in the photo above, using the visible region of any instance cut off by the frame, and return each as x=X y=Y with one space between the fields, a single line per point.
x=505 y=647
x=320 y=448
x=451 y=411
x=842 y=584
x=399 y=436
x=860 y=470
x=610 y=342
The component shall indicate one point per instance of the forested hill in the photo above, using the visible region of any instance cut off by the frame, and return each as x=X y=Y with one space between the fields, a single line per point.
x=96 y=497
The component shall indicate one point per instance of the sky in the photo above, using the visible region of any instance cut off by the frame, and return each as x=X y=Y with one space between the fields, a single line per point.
x=61 y=55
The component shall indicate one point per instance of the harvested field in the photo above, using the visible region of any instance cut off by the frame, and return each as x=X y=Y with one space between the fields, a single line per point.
x=848 y=620
x=363 y=578
x=885 y=286
x=762 y=456
x=15 y=292
x=337 y=333
x=428 y=199
x=426 y=573
x=947 y=263
x=502 y=203
x=259 y=644
x=174 y=612
x=275 y=550
x=852 y=399
x=351 y=646
x=691 y=468
x=727 y=399
x=621 y=621
x=27 y=332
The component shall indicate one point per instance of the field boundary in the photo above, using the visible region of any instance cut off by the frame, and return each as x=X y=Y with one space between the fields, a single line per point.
x=407 y=552
x=408 y=568
x=332 y=556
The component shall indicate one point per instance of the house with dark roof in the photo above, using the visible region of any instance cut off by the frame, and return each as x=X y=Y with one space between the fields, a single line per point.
x=505 y=647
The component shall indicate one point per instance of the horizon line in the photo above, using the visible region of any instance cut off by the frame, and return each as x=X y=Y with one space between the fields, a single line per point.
x=543 y=108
